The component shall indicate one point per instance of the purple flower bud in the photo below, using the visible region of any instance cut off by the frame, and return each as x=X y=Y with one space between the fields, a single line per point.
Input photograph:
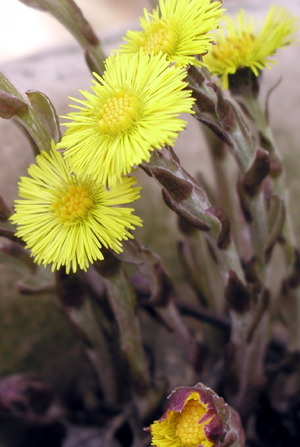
x=197 y=417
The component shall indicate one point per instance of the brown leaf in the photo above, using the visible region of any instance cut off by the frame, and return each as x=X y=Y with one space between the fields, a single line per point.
x=258 y=170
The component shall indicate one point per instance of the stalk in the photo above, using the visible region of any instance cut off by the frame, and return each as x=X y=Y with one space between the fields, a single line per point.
x=186 y=197
x=123 y=303
x=226 y=188
x=162 y=296
x=225 y=119
x=290 y=290
x=259 y=118
x=77 y=308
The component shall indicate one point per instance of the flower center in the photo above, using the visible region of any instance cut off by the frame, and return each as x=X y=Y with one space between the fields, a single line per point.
x=234 y=47
x=74 y=205
x=188 y=429
x=160 y=36
x=119 y=113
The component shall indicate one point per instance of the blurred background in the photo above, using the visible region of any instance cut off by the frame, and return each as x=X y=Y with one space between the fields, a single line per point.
x=24 y=30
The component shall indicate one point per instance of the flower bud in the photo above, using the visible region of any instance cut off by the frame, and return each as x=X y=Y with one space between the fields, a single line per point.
x=197 y=417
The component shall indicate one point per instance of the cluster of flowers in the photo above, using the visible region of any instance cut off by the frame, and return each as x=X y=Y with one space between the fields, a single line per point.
x=72 y=203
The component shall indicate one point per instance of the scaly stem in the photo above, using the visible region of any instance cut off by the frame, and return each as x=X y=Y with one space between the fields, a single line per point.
x=162 y=294
x=225 y=119
x=226 y=188
x=259 y=118
x=123 y=303
x=185 y=196
x=201 y=270
x=78 y=310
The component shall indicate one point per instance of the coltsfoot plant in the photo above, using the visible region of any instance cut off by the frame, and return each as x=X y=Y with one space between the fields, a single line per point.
x=226 y=340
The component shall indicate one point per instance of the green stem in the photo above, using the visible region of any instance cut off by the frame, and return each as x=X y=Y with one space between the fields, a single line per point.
x=259 y=232
x=162 y=293
x=123 y=302
x=96 y=347
x=226 y=190
x=189 y=200
x=28 y=118
x=259 y=118
x=245 y=150
x=226 y=120
x=202 y=271
x=228 y=123
x=78 y=310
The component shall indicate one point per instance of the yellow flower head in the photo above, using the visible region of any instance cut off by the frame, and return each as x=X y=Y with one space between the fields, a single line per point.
x=178 y=28
x=240 y=46
x=192 y=419
x=66 y=219
x=133 y=110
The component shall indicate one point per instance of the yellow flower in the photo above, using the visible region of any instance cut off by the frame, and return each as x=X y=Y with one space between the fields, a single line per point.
x=133 y=110
x=240 y=46
x=179 y=28
x=192 y=419
x=66 y=219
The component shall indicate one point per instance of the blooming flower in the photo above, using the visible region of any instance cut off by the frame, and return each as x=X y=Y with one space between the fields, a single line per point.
x=178 y=28
x=66 y=219
x=240 y=46
x=192 y=419
x=133 y=110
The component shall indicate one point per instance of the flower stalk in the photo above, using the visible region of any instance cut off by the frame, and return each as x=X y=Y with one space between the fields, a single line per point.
x=77 y=308
x=223 y=117
x=186 y=197
x=200 y=268
x=162 y=296
x=226 y=189
x=123 y=303
x=259 y=117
